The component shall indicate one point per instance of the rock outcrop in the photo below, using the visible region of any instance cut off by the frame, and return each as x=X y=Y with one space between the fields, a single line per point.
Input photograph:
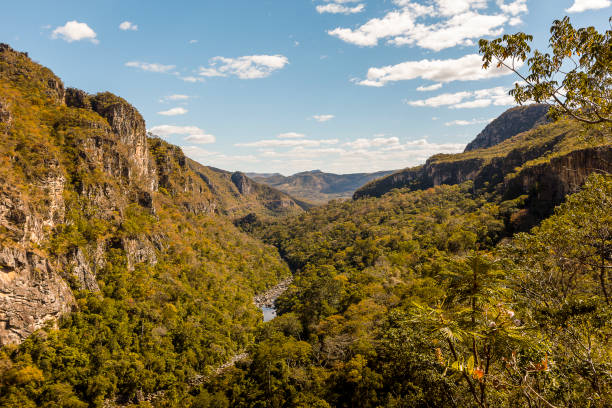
x=80 y=182
x=510 y=123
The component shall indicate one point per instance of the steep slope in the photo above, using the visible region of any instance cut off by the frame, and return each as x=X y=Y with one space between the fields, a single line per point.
x=557 y=158
x=319 y=187
x=510 y=123
x=99 y=219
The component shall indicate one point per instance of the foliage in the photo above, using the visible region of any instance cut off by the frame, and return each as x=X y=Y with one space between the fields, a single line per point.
x=582 y=57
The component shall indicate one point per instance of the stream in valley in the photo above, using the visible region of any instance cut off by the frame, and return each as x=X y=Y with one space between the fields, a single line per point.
x=265 y=301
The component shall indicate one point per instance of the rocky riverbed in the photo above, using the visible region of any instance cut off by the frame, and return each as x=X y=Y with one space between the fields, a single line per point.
x=267 y=298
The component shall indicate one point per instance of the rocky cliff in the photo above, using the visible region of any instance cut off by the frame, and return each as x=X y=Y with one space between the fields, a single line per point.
x=545 y=164
x=510 y=123
x=81 y=181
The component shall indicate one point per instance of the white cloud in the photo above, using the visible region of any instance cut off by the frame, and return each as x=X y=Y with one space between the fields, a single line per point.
x=191 y=133
x=126 y=25
x=193 y=41
x=335 y=8
x=514 y=8
x=481 y=98
x=151 y=67
x=191 y=79
x=323 y=118
x=435 y=25
x=461 y=122
x=433 y=87
x=466 y=68
x=583 y=5
x=247 y=67
x=375 y=142
x=358 y=155
x=291 y=135
x=173 y=112
x=75 y=31
x=288 y=143
x=175 y=97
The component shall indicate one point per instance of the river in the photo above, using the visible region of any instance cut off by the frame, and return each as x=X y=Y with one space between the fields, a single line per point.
x=265 y=301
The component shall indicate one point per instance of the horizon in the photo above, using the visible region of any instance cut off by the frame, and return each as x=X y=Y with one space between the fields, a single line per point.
x=342 y=86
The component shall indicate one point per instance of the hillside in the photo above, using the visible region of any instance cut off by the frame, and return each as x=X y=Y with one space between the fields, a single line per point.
x=556 y=157
x=318 y=187
x=112 y=237
x=510 y=123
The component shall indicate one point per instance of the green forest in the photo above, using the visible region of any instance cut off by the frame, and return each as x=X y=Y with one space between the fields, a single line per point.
x=468 y=294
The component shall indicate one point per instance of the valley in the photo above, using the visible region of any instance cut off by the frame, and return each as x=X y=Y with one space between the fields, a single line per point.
x=134 y=276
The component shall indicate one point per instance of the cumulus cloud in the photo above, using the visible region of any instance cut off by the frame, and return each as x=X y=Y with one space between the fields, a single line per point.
x=151 y=67
x=583 y=5
x=466 y=68
x=481 y=98
x=335 y=8
x=291 y=135
x=438 y=25
x=128 y=26
x=75 y=31
x=173 y=112
x=433 y=87
x=462 y=122
x=246 y=67
x=191 y=133
x=323 y=118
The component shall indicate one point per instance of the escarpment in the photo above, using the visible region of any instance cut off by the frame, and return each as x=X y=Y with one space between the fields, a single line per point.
x=84 y=188
x=545 y=163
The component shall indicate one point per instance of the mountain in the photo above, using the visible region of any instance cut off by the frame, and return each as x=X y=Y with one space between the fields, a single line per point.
x=89 y=201
x=556 y=157
x=510 y=123
x=319 y=187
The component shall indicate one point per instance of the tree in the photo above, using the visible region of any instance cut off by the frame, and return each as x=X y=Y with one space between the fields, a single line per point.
x=576 y=80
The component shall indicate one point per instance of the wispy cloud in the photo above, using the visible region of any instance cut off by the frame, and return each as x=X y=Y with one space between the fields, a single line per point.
x=191 y=133
x=323 y=118
x=173 y=112
x=128 y=26
x=246 y=67
x=466 y=68
x=291 y=135
x=429 y=88
x=470 y=122
x=481 y=98
x=75 y=31
x=175 y=97
x=288 y=143
x=335 y=8
x=151 y=67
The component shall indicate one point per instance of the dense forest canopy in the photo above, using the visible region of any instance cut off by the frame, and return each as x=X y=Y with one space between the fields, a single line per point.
x=423 y=297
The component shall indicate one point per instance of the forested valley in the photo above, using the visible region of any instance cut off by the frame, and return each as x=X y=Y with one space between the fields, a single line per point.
x=128 y=271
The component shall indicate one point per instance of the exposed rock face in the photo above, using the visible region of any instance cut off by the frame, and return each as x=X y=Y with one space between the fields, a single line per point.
x=31 y=294
x=510 y=123
x=128 y=124
x=242 y=183
x=548 y=183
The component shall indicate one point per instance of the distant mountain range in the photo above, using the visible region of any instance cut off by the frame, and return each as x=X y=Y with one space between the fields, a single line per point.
x=316 y=186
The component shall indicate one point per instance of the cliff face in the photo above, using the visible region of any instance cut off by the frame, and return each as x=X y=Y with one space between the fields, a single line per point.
x=81 y=181
x=510 y=123
x=545 y=164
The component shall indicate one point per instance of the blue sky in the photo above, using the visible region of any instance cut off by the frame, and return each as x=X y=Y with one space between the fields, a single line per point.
x=293 y=85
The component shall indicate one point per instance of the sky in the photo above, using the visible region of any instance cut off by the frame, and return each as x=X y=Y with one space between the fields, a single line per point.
x=285 y=86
